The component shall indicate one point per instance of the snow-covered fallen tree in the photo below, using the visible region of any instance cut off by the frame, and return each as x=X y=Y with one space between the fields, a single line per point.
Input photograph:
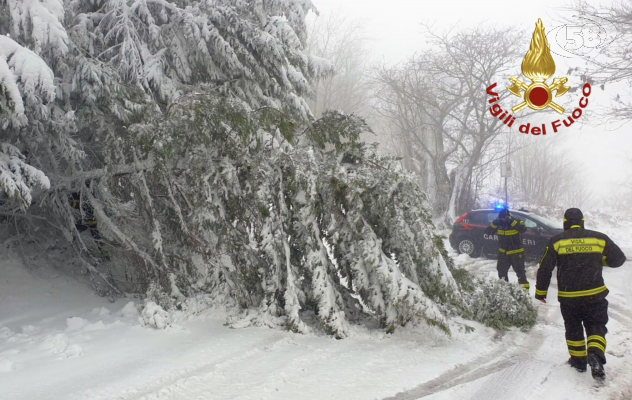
x=184 y=127
x=283 y=223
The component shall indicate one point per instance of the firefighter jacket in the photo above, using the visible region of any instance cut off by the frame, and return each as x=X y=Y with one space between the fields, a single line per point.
x=508 y=230
x=87 y=213
x=580 y=256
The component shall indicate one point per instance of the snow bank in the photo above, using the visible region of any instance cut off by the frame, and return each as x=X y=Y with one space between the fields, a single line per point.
x=155 y=316
x=75 y=323
x=130 y=310
x=56 y=343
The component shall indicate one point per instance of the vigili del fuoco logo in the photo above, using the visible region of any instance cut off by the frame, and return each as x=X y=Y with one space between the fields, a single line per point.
x=538 y=65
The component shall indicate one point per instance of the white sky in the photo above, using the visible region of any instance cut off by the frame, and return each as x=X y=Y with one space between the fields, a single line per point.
x=395 y=32
x=394 y=24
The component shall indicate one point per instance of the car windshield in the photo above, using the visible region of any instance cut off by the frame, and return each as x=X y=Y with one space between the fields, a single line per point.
x=546 y=222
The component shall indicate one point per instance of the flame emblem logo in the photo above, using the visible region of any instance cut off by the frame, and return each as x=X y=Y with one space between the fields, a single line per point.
x=538 y=65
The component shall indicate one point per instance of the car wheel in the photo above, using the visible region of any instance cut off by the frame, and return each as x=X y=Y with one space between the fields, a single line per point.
x=490 y=251
x=467 y=246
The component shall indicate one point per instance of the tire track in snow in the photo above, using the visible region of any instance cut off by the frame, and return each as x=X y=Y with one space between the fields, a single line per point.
x=515 y=381
x=213 y=365
x=619 y=314
x=615 y=311
x=251 y=376
x=510 y=375
x=511 y=362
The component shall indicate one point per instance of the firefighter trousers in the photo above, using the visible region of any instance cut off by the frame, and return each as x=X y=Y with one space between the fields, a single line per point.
x=517 y=262
x=590 y=315
x=94 y=231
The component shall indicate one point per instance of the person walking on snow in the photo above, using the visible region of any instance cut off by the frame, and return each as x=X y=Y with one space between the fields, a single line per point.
x=580 y=256
x=510 y=251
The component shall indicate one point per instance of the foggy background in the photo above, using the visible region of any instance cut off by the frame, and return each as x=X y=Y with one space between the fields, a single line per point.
x=390 y=33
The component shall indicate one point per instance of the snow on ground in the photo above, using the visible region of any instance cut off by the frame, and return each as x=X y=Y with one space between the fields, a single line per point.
x=60 y=341
x=538 y=369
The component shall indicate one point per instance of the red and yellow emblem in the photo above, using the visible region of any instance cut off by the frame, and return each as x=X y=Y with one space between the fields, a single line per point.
x=539 y=66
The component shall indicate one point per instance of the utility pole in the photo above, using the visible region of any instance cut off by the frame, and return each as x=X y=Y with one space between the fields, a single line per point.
x=505 y=172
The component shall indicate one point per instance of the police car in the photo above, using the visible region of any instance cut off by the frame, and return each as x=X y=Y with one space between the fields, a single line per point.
x=468 y=233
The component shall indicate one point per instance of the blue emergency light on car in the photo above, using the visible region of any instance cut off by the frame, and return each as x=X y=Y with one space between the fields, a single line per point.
x=500 y=206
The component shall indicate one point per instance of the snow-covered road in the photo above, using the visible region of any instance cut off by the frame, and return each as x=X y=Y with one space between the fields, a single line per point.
x=537 y=368
x=59 y=341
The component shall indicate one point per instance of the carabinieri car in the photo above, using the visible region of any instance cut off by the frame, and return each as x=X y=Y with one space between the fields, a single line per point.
x=468 y=233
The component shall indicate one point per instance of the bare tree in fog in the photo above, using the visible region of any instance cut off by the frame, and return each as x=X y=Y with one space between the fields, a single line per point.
x=579 y=192
x=437 y=103
x=615 y=62
x=543 y=175
x=409 y=100
x=344 y=42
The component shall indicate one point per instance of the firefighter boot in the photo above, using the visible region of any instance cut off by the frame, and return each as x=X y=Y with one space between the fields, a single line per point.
x=579 y=363
x=596 y=367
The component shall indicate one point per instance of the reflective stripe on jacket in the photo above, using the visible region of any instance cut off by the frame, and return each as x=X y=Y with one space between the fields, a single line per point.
x=580 y=256
x=508 y=231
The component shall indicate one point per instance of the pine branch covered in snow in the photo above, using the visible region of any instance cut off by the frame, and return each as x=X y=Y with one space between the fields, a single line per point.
x=17 y=178
x=25 y=81
x=255 y=54
x=502 y=305
x=38 y=23
x=26 y=86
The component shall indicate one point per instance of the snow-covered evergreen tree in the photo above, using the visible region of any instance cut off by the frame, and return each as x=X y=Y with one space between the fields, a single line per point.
x=183 y=130
x=95 y=67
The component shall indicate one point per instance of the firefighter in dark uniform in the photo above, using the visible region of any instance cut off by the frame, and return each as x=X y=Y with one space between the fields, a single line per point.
x=510 y=250
x=87 y=220
x=580 y=256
